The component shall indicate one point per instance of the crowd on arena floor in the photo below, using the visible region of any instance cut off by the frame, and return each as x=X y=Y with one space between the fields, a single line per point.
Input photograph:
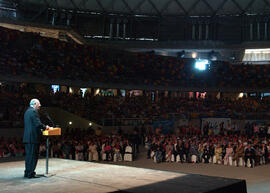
x=233 y=149
x=81 y=144
x=238 y=149
x=31 y=55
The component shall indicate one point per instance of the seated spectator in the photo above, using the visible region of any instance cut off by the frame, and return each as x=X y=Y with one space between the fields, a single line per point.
x=193 y=151
x=42 y=150
x=218 y=153
x=206 y=154
x=229 y=153
x=66 y=149
x=79 y=151
x=239 y=153
x=250 y=154
x=93 y=153
x=179 y=151
x=108 y=151
x=116 y=153
x=265 y=152
x=169 y=151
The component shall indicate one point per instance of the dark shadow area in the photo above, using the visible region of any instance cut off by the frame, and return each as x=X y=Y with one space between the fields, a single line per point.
x=11 y=159
x=192 y=184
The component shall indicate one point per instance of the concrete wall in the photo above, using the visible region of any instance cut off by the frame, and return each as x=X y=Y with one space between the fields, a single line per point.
x=11 y=132
x=62 y=118
x=59 y=117
x=78 y=122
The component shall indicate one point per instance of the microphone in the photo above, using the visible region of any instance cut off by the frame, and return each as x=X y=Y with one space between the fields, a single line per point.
x=49 y=118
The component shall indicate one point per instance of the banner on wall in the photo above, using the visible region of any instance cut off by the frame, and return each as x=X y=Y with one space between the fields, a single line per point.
x=217 y=124
x=166 y=126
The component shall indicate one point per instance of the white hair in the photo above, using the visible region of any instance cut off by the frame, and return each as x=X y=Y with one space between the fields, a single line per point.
x=33 y=102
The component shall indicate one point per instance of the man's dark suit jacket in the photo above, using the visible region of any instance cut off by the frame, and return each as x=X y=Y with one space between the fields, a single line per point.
x=32 y=126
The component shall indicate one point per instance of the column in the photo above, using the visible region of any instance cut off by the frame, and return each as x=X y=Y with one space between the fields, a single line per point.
x=258 y=31
x=251 y=31
x=118 y=21
x=207 y=31
x=193 y=31
x=200 y=31
x=265 y=28
x=111 y=28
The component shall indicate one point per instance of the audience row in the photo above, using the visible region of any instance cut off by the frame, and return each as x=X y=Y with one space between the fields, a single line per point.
x=111 y=110
x=31 y=55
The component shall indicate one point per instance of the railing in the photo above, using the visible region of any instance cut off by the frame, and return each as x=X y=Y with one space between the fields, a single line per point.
x=126 y=121
x=149 y=121
x=187 y=115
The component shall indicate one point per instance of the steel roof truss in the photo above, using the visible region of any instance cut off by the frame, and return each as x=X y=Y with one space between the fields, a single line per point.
x=248 y=6
x=181 y=6
x=193 y=6
x=237 y=5
x=208 y=5
x=155 y=8
x=220 y=7
x=138 y=5
x=100 y=5
x=74 y=5
x=165 y=7
x=127 y=6
x=267 y=3
x=82 y=3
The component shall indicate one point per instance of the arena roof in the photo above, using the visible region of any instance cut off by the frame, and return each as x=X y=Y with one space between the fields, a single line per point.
x=157 y=7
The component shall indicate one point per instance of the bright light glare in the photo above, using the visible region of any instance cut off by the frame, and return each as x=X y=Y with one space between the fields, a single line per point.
x=55 y=88
x=201 y=64
x=256 y=55
x=266 y=50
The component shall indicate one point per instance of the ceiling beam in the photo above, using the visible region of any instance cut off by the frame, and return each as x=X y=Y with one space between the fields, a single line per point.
x=82 y=4
x=101 y=6
x=42 y=10
x=248 y=6
x=208 y=5
x=138 y=5
x=237 y=5
x=267 y=3
x=155 y=7
x=74 y=5
x=127 y=6
x=193 y=6
x=219 y=7
x=181 y=7
x=165 y=7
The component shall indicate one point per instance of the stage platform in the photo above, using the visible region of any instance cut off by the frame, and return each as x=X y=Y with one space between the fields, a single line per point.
x=88 y=177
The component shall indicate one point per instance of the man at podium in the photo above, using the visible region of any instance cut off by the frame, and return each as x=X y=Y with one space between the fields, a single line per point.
x=32 y=137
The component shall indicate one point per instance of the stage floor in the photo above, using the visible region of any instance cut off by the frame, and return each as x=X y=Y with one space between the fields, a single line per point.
x=80 y=176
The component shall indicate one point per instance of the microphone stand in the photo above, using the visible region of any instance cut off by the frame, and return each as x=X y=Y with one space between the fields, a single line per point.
x=47 y=146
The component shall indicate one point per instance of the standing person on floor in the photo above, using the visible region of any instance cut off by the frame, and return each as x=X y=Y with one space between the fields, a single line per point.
x=32 y=137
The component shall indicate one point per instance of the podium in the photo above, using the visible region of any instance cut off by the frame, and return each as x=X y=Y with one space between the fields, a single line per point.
x=54 y=131
x=47 y=133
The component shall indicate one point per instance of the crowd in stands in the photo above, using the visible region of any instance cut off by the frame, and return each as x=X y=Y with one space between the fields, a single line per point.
x=15 y=99
x=31 y=55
